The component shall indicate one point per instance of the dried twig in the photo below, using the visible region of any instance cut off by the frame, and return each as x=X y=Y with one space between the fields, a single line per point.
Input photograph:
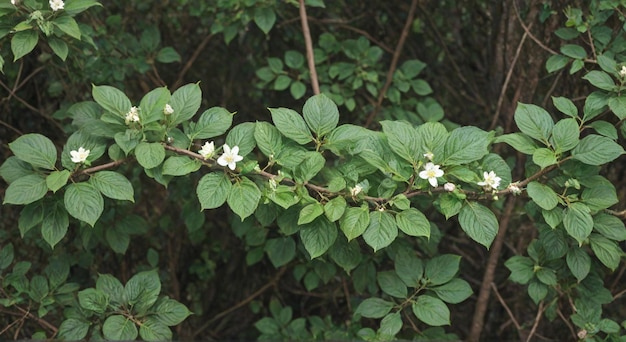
x=309 y=48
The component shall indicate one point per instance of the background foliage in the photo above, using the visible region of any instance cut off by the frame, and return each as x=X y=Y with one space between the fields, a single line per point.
x=535 y=87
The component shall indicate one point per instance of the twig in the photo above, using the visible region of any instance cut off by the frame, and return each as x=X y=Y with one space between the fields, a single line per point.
x=11 y=127
x=494 y=255
x=102 y=167
x=394 y=63
x=506 y=307
x=505 y=86
x=310 y=57
x=537 y=320
x=569 y=325
x=241 y=303
x=527 y=30
x=191 y=60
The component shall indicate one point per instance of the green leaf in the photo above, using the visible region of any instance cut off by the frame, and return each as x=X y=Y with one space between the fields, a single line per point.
x=180 y=165
x=518 y=141
x=152 y=105
x=382 y=230
x=565 y=106
x=119 y=328
x=59 y=47
x=522 y=269
x=600 y=196
x=374 y=308
x=578 y=222
x=565 y=135
x=346 y=254
x=431 y=311
x=465 y=145
x=543 y=195
x=412 y=222
x=168 y=55
x=294 y=59
x=335 y=208
x=73 y=7
x=142 y=290
x=265 y=18
x=94 y=300
x=55 y=223
x=243 y=197
x=441 y=269
x=57 y=179
x=597 y=150
x=6 y=256
x=185 y=101
x=318 y=236
x=609 y=226
x=171 y=312
x=112 y=287
x=534 y=121
x=537 y=291
x=23 y=42
x=354 y=222
x=600 y=79
x=408 y=267
x=574 y=51
x=578 y=262
x=128 y=140
x=546 y=276
x=544 y=157
x=391 y=284
x=297 y=89
x=605 y=129
x=556 y=62
x=84 y=202
x=390 y=325
x=35 y=149
x=607 y=251
x=479 y=223
x=455 y=291
x=26 y=190
x=321 y=114
x=595 y=104
x=268 y=138
x=280 y=251
x=402 y=138
x=213 y=122
x=73 y=329
x=111 y=99
x=313 y=163
x=14 y=168
x=68 y=25
x=30 y=216
x=149 y=155
x=291 y=125
x=618 y=106
x=113 y=185
x=117 y=240
x=242 y=135
x=282 y=82
x=310 y=213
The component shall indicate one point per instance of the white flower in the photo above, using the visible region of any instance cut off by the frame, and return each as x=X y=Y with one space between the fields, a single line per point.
x=429 y=155
x=207 y=150
x=132 y=115
x=356 y=190
x=57 y=5
x=168 y=109
x=623 y=71
x=431 y=172
x=14 y=2
x=491 y=181
x=273 y=184
x=230 y=157
x=449 y=187
x=79 y=156
x=515 y=189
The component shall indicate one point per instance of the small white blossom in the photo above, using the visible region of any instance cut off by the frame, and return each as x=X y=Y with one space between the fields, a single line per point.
x=273 y=184
x=356 y=190
x=491 y=181
x=429 y=155
x=449 y=187
x=14 y=2
x=431 y=172
x=230 y=157
x=623 y=71
x=132 y=115
x=57 y=5
x=207 y=150
x=168 y=110
x=79 y=156
x=515 y=189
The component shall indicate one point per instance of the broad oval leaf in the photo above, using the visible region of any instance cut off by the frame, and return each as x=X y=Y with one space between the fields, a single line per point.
x=382 y=230
x=578 y=222
x=374 y=308
x=119 y=328
x=113 y=185
x=534 y=121
x=84 y=202
x=543 y=195
x=455 y=291
x=597 y=150
x=431 y=311
x=318 y=236
x=465 y=145
x=243 y=197
x=26 y=190
x=291 y=125
x=213 y=189
x=321 y=114
x=412 y=222
x=150 y=155
x=479 y=223
x=35 y=149
x=354 y=222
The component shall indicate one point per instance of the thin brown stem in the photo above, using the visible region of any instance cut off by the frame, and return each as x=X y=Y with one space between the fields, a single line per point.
x=194 y=56
x=537 y=320
x=102 y=167
x=394 y=63
x=310 y=57
x=506 y=307
x=482 y=302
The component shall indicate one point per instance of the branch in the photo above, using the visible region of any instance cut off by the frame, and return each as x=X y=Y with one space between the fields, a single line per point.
x=191 y=60
x=309 y=48
x=394 y=63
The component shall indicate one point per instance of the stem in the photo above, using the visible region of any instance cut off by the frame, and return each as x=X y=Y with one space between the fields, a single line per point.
x=309 y=48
